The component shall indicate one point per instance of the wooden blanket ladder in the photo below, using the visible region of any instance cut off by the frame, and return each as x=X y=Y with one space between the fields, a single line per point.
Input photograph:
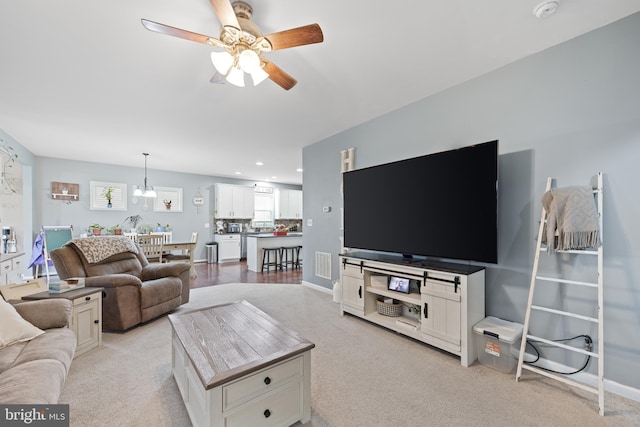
x=597 y=285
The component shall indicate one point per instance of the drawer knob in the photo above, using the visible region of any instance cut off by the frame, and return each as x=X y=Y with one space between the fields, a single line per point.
x=87 y=298
x=267 y=413
x=96 y=321
x=267 y=380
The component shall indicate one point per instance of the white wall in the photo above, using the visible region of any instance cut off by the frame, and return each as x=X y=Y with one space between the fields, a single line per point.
x=567 y=112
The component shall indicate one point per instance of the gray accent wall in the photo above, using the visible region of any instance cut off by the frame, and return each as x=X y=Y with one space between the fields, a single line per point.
x=567 y=112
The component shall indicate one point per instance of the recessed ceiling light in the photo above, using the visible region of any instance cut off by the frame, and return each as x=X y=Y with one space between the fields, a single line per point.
x=299 y=170
x=238 y=173
x=274 y=177
x=259 y=163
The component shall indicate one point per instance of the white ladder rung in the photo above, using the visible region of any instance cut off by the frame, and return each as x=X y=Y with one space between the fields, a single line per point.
x=571 y=282
x=565 y=346
x=561 y=379
x=565 y=313
x=574 y=251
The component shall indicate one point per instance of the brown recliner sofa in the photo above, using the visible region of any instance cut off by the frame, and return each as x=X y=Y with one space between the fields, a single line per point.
x=135 y=291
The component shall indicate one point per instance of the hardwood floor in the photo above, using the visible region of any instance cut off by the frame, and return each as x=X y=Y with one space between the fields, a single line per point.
x=237 y=272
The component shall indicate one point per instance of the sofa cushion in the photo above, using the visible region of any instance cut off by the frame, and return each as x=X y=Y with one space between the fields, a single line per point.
x=35 y=382
x=8 y=355
x=58 y=344
x=154 y=292
x=35 y=371
x=13 y=328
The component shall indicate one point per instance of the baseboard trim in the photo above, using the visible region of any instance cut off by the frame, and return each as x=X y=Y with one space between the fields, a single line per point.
x=589 y=379
x=317 y=287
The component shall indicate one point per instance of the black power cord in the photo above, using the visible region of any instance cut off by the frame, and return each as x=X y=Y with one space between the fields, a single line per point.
x=587 y=343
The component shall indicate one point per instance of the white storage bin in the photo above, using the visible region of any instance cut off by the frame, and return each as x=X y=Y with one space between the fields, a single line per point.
x=495 y=341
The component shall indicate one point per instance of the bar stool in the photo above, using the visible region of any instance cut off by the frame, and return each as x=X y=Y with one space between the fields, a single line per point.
x=266 y=259
x=298 y=260
x=288 y=256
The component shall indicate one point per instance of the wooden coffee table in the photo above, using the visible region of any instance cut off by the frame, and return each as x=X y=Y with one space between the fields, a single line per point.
x=237 y=366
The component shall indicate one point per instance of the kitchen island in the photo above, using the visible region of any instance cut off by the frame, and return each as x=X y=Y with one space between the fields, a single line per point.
x=256 y=243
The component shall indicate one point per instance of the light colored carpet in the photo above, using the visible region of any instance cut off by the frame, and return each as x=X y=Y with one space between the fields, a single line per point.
x=362 y=375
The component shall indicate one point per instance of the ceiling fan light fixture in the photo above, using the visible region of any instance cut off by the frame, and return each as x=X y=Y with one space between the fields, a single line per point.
x=222 y=61
x=258 y=76
x=236 y=77
x=248 y=61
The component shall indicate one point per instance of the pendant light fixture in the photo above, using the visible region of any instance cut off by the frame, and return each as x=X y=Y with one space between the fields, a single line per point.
x=146 y=191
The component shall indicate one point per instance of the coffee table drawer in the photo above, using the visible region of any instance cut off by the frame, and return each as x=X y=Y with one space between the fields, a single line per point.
x=280 y=408
x=261 y=382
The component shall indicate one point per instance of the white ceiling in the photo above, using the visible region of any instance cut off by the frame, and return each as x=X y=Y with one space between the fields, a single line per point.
x=83 y=80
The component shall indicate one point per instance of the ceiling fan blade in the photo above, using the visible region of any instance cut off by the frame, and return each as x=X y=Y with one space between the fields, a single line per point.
x=278 y=76
x=300 y=36
x=224 y=12
x=183 y=34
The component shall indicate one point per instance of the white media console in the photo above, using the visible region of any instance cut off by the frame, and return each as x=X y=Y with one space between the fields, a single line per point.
x=449 y=298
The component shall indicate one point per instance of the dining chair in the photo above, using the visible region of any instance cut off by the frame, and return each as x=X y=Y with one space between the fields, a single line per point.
x=132 y=236
x=151 y=246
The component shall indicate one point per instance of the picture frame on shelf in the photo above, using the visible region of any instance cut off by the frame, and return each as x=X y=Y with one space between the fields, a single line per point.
x=169 y=199
x=98 y=195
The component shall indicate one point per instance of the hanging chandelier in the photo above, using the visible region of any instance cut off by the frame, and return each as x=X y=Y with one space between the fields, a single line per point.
x=147 y=190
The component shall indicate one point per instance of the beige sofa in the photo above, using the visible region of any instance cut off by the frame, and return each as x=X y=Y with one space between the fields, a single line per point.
x=135 y=291
x=34 y=371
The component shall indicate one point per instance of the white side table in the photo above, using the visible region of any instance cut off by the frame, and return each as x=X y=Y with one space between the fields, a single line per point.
x=86 y=318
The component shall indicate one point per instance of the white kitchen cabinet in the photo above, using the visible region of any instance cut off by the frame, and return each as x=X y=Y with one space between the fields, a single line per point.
x=11 y=268
x=289 y=204
x=234 y=201
x=228 y=247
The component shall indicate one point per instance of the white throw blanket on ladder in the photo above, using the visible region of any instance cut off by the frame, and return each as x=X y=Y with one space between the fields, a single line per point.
x=571 y=212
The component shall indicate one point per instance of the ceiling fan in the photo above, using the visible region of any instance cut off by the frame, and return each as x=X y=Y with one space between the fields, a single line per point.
x=244 y=44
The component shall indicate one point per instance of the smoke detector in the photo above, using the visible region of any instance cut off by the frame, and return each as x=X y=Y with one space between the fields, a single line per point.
x=545 y=9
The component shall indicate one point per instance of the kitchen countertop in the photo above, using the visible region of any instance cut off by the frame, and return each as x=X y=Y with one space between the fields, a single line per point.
x=271 y=235
x=6 y=257
x=257 y=243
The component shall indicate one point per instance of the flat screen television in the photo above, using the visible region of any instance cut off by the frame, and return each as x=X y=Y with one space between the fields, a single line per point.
x=442 y=205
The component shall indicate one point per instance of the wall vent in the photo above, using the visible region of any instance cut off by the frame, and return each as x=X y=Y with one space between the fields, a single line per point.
x=323 y=265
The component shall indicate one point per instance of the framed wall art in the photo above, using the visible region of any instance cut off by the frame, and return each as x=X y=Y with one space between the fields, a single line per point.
x=108 y=196
x=169 y=199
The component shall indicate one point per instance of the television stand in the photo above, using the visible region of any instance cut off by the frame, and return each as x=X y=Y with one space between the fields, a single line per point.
x=449 y=298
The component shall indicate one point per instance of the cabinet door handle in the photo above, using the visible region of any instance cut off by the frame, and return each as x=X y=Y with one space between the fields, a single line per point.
x=426 y=310
x=360 y=291
x=267 y=413
x=267 y=380
x=96 y=321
